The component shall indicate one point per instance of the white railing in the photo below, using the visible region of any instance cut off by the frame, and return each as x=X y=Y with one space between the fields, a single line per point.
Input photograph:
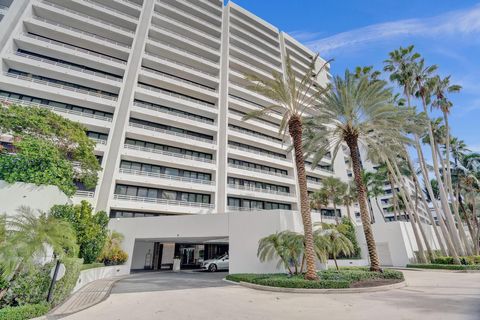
x=233 y=208
x=264 y=154
x=256 y=50
x=192 y=16
x=64 y=65
x=257 y=105
x=173 y=133
x=92 y=53
x=167 y=76
x=57 y=109
x=314 y=182
x=162 y=201
x=183 y=50
x=273 y=173
x=168 y=153
x=256 y=135
x=139 y=6
x=248 y=65
x=241 y=114
x=180 y=64
x=176 y=95
x=89 y=34
x=248 y=188
x=110 y=9
x=269 y=65
x=245 y=31
x=99 y=141
x=84 y=194
x=88 y=17
x=61 y=86
x=185 y=25
x=173 y=113
x=165 y=176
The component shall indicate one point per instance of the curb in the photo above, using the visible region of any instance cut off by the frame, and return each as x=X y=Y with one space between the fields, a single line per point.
x=387 y=287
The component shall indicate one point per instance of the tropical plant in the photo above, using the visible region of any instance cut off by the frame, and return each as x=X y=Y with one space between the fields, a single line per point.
x=286 y=246
x=335 y=190
x=28 y=237
x=319 y=200
x=43 y=128
x=336 y=243
x=293 y=97
x=90 y=229
x=356 y=111
x=112 y=253
x=349 y=198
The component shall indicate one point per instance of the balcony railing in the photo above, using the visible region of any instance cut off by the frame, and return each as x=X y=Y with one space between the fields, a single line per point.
x=263 y=154
x=194 y=17
x=173 y=113
x=163 y=201
x=273 y=173
x=176 y=95
x=242 y=114
x=61 y=86
x=167 y=76
x=180 y=64
x=248 y=188
x=183 y=50
x=89 y=34
x=233 y=208
x=88 y=17
x=57 y=109
x=92 y=53
x=84 y=194
x=99 y=141
x=165 y=176
x=64 y=65
x=173 y=133
x=167 y=153
x=110 y=9
x=139 y=6
x=256 y=135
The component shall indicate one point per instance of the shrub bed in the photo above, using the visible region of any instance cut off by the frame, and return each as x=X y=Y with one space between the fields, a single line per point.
x=466 y=260
x=24 y=312
x=444 y=266
x=92 y=265
x=329 y=279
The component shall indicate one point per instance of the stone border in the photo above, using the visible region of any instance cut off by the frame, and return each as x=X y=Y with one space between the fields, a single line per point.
x=387 y=287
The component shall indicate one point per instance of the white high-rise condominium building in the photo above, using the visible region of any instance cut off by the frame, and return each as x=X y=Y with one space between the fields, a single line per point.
x=160 y=86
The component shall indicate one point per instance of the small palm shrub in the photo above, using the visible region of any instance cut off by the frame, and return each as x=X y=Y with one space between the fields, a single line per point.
x=112 y=253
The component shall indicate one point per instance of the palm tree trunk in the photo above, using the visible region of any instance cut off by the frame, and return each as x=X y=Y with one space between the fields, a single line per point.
x=421 y=251
x=441 y=187
x=380 y=209
x=295 y=131
x=352 y=143
x=335 y=260
x=446 y=234
x=424 y=201
x=349 y=213
x=335 y=212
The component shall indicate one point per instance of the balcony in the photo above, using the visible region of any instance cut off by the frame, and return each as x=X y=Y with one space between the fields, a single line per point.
x=272 y=173
x=251 y=153
x=168 y=154
x=172 y=133
x=55 y=109
x=163 y=201
x=256 y=138
x=173 y=113
x=166 y=176
x=178 y=65
x=261 y=190
x=195 y=11
x=91 y=54
x=244 y=209
x=84 y=194
x=176 y=95
x=61 y=86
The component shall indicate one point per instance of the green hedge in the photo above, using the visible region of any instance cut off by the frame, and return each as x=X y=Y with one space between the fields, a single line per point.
x=328 y=279
x=444 y=266
x=24 y=312
x=64 y=286
x=465 y=260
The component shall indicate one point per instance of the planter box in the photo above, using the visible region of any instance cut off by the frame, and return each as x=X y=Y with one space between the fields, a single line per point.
x=89 y=275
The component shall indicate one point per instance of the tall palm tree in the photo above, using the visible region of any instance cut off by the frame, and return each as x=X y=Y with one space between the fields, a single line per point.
x=293 y=98
x=355 y=112
x=335 y=189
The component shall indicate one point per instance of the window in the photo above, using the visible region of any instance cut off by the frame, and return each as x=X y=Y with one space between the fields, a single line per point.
x=162 y=194
x=257 y=184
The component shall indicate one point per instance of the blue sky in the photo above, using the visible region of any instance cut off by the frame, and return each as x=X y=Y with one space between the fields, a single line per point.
x=359 y=33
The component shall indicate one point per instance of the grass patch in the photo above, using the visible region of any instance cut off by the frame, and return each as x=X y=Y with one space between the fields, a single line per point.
x=444 y=266
x=24 y=312
x=329 y=279
x=92 y=265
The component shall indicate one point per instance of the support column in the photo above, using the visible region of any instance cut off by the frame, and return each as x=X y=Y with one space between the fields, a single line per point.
x=116 y=135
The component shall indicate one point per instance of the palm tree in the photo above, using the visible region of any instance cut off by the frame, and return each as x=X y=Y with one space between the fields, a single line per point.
x=349 y=198
x=356 y=111
x=374 y=186
x=27 y=237
x=292 y=99
x=335 y=189
x=319 y=200
x=336 y=243
x=287 y=246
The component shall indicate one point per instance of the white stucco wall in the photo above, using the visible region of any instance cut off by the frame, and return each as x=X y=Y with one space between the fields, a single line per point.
x=87 y=276
x=42 y=198
x=139 y=252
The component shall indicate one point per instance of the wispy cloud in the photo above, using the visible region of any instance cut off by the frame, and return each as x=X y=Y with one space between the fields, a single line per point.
x=451 y=23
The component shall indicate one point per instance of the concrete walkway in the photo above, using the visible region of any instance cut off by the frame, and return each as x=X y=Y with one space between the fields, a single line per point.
x=429 y=296
x=89 y=295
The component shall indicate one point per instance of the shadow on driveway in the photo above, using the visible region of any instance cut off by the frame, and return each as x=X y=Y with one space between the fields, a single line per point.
x=167 y=280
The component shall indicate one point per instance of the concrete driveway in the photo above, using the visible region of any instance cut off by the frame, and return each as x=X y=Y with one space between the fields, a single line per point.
x=167 y=280
x=434 y=295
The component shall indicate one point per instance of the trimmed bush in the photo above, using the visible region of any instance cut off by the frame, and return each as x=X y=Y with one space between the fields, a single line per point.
x=24 y=312
x=465 y=260
x=329 y=279
x=64 y=286
x=444 y=266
